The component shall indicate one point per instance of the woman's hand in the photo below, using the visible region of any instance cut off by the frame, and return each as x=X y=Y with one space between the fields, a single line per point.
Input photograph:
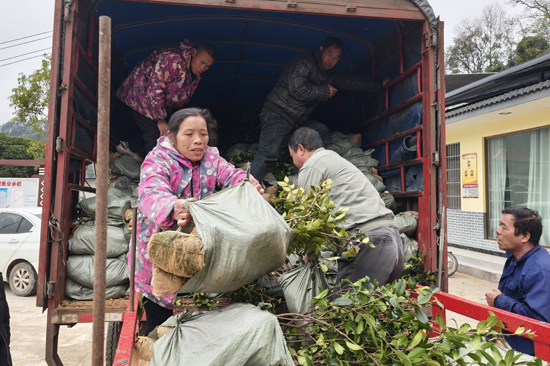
x=181 y=215
x=163 y=128
x=256 y=185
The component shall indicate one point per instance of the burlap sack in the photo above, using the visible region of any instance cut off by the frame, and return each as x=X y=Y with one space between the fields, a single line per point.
x=143 y=351
x=177 y=253
x=164 y=283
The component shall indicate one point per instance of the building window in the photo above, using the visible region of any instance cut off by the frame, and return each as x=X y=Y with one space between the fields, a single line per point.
x=518 y=175
x=453 y=176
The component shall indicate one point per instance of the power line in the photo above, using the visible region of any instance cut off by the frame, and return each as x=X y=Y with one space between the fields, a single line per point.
x=17 y=39
x=23 y=54
x=28 y=58
x=19 y=44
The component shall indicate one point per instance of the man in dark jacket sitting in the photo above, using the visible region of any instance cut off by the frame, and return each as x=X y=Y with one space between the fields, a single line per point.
x=306 y=81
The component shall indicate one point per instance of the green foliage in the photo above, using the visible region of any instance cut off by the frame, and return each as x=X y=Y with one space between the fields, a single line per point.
x=15 y=148
x=415 y=270
x=238 y=160
x=371 y=325
x=200 y=300
x=30 y=100
x=281 y=168
x=254 y=294
x=315 y=222
x=529 y=48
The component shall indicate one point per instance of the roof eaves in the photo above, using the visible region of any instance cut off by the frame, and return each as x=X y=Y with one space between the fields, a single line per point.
x=499 y=99
x=489 y=79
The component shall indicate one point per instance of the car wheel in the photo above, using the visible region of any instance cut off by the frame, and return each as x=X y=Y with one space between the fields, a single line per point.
x=23 y=279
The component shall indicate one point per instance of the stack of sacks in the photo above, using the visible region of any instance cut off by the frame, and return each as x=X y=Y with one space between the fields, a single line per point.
x=348 y=146
x=122 y=195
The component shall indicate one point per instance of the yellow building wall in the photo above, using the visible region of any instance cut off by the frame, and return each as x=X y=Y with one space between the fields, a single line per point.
x=472 y=140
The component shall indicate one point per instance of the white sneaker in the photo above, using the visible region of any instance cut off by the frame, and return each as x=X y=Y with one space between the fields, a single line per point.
x=124 y=149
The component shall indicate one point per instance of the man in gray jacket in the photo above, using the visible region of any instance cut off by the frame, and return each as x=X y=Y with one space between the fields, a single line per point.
x=306 y=81
x=367 y=212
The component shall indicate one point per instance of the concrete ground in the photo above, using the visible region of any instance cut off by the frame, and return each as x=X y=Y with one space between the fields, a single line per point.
x=28 y=326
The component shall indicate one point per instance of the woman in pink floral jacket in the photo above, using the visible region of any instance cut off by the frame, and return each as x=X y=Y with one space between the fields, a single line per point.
x=181 y=166
x=165 y=79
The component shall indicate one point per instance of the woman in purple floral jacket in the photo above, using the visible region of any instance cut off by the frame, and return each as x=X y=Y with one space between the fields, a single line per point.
x=165 y=79
x=181 y=166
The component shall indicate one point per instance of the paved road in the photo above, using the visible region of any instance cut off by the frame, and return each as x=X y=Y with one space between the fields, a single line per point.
x=28 y=326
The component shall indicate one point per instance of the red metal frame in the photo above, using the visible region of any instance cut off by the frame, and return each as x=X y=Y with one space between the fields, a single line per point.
x=512 y=321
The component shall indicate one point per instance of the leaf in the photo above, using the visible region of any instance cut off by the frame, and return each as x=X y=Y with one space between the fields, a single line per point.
x=417 y=338
x=421 y=316
x=416 y=353
x=509 y=358
x=400 y=288
x=403 y=358
x=424 y=299
x=520 y=330
x=496 y=355
x=476 y=342
x=353 y=347
x=342 y=301
x=338 y=348
x=394 y=303
x=444 y=347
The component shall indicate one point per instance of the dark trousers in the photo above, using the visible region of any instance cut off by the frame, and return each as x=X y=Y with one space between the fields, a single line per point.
x=156 y=315
x=5 y=354
x=384 y=262
x=274 y=130
x=145 y=141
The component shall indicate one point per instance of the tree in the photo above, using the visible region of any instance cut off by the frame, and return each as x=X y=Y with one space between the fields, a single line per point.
x=30 y=100
x=529 y=48
x=18 y=129
x=537 y=15
x=483 y=44
x=15 y=148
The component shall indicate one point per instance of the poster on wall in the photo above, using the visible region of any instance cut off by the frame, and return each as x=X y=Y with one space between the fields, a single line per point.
x=468 y=168
x=18 y=192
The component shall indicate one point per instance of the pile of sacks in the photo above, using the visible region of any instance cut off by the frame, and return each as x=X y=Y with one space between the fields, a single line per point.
x=349 y=147
x=122 y=196
x=406 y=223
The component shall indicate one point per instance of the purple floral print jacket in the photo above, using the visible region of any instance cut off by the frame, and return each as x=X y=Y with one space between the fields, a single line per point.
x=165 y=177
x=162 y=80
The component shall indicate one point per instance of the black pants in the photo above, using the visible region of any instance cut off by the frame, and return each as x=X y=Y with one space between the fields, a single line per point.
x=156 y=315
x=147 y=140
x=5 y=355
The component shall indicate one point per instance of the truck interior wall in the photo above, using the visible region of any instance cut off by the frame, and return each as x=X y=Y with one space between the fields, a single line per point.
x=252 y=47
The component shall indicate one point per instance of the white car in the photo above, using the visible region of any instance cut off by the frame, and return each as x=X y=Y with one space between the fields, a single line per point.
x=19 y=248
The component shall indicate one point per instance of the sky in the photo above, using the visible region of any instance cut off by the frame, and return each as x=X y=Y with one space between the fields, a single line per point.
x=29 y=17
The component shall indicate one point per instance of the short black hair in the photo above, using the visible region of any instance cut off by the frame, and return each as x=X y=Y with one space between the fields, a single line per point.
x=205 y=46
x=180 y=116
x=526 y=221
x=333 y=41
x=307 y=137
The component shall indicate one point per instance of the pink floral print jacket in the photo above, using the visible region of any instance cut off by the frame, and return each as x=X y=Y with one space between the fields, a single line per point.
x=165 y=177
x=162 y=80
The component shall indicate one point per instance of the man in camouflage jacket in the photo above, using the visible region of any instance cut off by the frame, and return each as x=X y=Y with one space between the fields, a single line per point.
x=306 y=81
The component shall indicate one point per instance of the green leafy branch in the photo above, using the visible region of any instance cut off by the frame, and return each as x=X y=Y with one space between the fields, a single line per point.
x=371 y=325
x=316 y=223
